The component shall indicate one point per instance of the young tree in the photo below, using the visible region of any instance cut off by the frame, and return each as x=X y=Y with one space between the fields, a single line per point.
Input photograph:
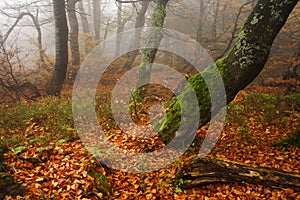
x=36 y=23
x=122 y=19
x=61 y=48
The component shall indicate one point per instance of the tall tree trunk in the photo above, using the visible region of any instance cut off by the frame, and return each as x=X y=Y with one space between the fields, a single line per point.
x=139 y=24
x=37 y=26
x=214 y=26
x=238 y=68
x=96 y=18
x=119 y=28
x=85 y=28
x=150 y=53
x=61 y=48
x=74 y=31
x=200 y=22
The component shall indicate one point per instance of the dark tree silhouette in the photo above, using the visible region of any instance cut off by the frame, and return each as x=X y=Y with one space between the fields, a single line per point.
x=61 y=48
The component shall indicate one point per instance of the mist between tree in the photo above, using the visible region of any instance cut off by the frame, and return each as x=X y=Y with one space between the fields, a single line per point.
x=118 y=81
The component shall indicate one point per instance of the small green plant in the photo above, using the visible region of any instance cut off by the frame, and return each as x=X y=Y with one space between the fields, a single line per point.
x=18 y=149
x=291 y=140
x=178 y=190
x=102 y=184
x=238 y=107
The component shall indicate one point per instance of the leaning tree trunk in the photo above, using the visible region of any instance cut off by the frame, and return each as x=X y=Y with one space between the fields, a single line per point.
x=74 y=31
x=207 y=171
x=238 y=68
x=61 y=48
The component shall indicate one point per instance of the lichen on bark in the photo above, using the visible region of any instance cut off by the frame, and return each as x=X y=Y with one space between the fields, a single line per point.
x=238 y=68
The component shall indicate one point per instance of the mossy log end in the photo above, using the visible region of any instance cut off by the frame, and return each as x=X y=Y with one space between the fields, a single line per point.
x=208 y=171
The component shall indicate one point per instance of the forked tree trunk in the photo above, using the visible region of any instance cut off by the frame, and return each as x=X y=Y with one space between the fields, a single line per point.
x=207 y=171
x=61 y=48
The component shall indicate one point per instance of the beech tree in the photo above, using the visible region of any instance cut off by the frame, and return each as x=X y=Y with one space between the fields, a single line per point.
x=85 y=28
x=238 y=68
x=96 y=18
x=139 y=23
x=61 y=48
x=74 y=31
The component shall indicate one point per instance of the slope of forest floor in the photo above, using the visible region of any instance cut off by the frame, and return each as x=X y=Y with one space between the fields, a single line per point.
x=47 y=157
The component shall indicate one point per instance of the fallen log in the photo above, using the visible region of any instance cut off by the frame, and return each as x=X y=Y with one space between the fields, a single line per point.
x=209 y=171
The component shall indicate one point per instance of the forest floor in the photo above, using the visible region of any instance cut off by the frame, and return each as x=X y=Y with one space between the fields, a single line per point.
x=48 y=158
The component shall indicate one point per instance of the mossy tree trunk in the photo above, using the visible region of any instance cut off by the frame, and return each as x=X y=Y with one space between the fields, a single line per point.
x=150 y=53
x=61 y=48
x=239 y=67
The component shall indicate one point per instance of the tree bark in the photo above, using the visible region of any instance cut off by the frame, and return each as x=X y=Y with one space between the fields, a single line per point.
x=150 y=53
x=139 y=24
x=85 y=28
x=238 y=68
x=214 y=25
x=96 y=18
x=74 y=31
x=61 y=48
x=208 y=171
x=200 y=22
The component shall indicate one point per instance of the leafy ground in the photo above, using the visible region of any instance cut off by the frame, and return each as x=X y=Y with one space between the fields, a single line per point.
x=48 y=158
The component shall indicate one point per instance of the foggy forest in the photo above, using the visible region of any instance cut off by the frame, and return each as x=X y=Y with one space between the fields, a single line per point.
x=150 y=99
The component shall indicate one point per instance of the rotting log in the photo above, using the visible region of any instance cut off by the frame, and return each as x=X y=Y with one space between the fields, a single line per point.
x=209 y=171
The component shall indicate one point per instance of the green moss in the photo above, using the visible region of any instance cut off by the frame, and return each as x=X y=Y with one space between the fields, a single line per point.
x=170 y=125
x=159 y=16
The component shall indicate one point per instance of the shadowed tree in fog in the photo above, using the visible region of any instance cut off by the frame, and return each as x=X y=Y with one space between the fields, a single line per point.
x=61 y=48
